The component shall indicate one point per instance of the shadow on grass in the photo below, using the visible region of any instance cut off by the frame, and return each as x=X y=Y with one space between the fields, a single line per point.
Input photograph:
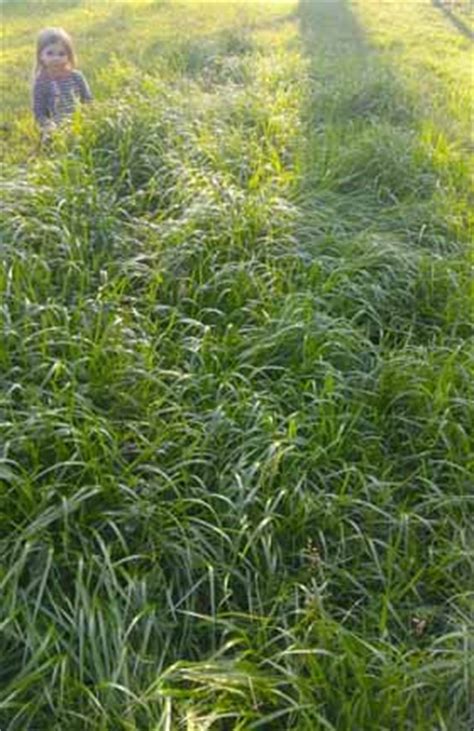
x=367 y=159
x=371 y=188
x=457 y=22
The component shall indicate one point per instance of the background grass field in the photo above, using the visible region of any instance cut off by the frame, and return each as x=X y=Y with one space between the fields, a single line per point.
x=236 y=363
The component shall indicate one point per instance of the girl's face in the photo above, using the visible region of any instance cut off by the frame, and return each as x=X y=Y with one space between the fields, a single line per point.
x=54 y=57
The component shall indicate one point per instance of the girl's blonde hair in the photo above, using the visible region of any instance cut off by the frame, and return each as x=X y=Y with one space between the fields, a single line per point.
x=53 y=35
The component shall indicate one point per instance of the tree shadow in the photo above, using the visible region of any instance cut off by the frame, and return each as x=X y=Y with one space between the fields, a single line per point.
x=375 y=204
x=457 y=22
x=363 y=121
x=371 y=192
x=367 y=158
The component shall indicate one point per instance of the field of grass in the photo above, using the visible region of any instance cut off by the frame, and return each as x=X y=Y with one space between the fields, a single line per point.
x=237 y=371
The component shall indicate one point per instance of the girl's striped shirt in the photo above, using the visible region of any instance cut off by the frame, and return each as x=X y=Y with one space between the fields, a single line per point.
x=55 y=99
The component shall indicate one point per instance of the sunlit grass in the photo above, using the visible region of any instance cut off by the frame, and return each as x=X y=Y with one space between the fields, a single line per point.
x=237 y=384
x=432 y=54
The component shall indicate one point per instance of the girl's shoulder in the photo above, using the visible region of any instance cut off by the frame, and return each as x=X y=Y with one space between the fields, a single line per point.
x=41 y=79
x=44 y=78
x=76 y=74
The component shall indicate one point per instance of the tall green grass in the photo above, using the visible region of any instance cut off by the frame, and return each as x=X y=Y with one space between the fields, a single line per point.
x=237 y=398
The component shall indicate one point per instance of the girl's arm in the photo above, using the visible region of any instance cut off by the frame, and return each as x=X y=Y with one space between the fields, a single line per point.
x=83 y=87
x=41 y=110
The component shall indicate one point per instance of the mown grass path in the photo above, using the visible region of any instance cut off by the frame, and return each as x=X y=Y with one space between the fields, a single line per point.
x=237 y=395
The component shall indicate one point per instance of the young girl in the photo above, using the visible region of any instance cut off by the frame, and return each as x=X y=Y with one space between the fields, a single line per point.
x=58 y=85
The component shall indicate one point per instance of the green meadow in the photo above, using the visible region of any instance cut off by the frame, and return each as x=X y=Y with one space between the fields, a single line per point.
x=237 y=370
